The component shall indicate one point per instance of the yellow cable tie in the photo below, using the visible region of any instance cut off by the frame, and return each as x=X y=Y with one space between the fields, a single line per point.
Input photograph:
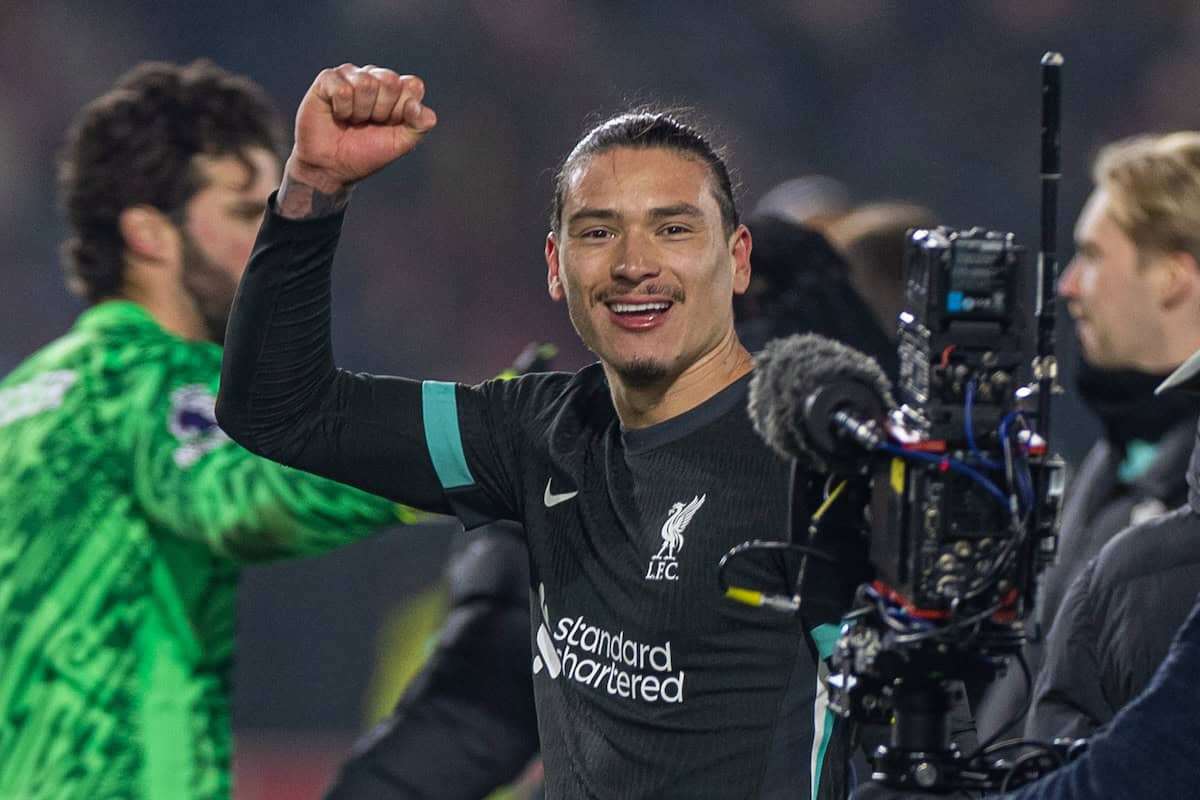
x=829 y=500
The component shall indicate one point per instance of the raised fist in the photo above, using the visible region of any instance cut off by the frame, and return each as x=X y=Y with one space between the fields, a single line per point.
x=354 y=121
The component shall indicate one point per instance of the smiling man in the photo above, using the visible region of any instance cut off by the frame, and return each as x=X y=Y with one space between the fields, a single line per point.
x=648 y=262
x=631 y=477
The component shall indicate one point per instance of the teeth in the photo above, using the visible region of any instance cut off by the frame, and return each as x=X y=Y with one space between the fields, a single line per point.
x=639 y=308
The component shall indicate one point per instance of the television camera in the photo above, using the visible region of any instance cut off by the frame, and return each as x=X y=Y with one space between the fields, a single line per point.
x=964 y=493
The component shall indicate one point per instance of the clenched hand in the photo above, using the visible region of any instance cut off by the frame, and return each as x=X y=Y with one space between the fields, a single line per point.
x=352 y=122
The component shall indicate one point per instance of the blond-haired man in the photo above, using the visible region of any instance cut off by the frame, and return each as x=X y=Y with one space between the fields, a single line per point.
x=1109 y=606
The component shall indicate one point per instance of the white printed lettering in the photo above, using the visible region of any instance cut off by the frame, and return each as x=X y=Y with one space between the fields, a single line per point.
x=606 y=661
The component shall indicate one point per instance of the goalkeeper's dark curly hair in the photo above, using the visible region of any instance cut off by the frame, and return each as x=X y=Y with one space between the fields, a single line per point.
x=135 y=145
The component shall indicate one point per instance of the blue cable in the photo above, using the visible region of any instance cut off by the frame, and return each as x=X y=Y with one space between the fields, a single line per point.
x=1024 y=479
x=968 y=423
x=969 y=427
x=950 y=463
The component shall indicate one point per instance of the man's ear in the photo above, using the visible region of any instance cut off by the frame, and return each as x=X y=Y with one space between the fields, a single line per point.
x=148 y=232
x=1178 y=279
x=740 y=245
x=553 y=276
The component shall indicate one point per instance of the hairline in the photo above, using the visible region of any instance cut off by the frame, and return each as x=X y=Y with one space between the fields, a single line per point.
x=728 y=215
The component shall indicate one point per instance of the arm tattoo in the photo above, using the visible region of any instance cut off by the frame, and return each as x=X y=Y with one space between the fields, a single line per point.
x=298 y=200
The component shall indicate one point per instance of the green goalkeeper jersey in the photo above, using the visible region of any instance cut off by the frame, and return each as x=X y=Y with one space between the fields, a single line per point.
x=124 y=514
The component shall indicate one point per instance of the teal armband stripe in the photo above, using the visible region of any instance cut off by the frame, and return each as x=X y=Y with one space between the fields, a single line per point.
x=825 y=637
x=440 y=410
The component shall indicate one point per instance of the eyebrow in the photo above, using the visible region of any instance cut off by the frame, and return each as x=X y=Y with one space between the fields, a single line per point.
x=677 y=210
x=662 y=212
x=592 y=213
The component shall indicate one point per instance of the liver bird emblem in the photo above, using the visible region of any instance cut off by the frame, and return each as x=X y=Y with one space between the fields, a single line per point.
x=672 y=530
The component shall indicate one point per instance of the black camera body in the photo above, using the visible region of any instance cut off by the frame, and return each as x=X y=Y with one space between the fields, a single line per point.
x=964 y=509
x=964 y=320
x=966 y=345
x=965 y=497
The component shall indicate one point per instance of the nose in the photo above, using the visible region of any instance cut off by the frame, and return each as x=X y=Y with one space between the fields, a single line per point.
x=635 y=259
x=1068 y=281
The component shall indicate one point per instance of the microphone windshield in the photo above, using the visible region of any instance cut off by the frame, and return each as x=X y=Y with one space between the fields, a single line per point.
x=800 y=383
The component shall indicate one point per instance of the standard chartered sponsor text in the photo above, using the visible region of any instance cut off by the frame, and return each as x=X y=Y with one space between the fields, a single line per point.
x=616 y=664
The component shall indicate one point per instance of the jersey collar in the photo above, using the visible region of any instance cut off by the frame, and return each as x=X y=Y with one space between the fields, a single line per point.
x=115 y=314
x=640 y=440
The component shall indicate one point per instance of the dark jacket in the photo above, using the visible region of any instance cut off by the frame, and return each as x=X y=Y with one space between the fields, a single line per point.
x=466 y=724
x=1117 y=620
x=1098 y=506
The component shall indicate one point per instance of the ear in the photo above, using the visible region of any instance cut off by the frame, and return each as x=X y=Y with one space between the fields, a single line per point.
x=740 y=245
x=1178 y=279
x=553 y=276
x=148 y=232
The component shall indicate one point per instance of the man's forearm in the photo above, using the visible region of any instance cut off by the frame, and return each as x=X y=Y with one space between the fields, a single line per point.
x=281 y=394
x=278 y=349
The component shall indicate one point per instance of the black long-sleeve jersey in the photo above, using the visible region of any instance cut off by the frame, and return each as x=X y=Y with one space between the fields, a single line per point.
x=649 y=683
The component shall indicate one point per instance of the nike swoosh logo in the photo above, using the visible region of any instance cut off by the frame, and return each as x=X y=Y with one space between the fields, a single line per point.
x=552 y=499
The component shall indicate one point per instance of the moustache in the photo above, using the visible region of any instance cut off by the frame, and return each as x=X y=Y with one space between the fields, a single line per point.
x=610 y=293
